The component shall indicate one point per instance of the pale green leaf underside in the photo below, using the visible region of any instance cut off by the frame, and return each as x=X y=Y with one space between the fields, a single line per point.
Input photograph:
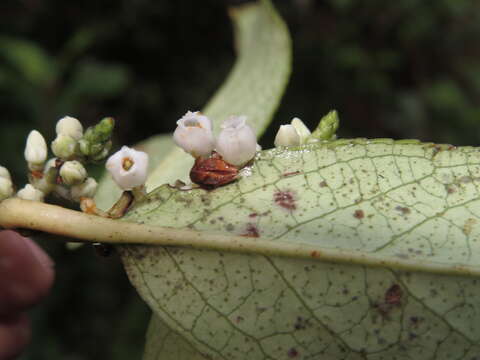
x=405 y=201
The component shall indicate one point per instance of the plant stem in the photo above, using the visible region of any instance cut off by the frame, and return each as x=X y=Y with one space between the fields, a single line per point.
x=18 y=213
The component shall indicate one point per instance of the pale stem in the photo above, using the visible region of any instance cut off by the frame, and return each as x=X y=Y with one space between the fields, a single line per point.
x=24 y=214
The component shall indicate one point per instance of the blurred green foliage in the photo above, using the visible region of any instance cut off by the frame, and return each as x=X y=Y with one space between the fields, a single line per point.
x=404 y=69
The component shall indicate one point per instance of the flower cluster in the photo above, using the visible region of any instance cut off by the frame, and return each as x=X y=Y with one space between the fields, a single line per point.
x=236 y=143
x=63 y=175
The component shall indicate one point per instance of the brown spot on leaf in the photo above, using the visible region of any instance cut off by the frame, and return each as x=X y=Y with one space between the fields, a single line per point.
x=315 y=254
x=468 y=226
x=323 y=184
x=359 y=214
x=292 y=173
x=393 y=295
x=251 y=231
x=285 y=199
x=403 y=210
x=292 y=353
x=252 y=215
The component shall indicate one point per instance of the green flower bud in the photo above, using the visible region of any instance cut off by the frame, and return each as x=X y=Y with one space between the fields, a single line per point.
x=73 y=173
x=327 y=127
x=96 y=139
x=64 y=146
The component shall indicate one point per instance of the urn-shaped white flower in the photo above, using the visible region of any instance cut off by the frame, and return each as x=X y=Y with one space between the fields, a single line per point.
x=69 y=126
x=128 y=168
x=287 y=135
x=30 y=193
x=73 y=172
x=236 y=143
x=35 y=149
x=194 y=134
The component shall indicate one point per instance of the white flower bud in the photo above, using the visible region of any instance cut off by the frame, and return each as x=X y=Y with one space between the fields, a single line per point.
x=236 y=143
x=4 y=173
x=128 y=168
x=86 y=189
x=6 y=188
x=69 y=126
x=64 y=146
x=30 y=193
x=73 y=173
x=302 y=130
x=287 y=135
x=35 y=150
x=194 y=134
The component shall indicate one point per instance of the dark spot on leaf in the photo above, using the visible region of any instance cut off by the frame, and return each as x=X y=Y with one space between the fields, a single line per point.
x=393 y=296
x=285 y=199
x=301 y=323
x=239 y=319
x=450 y=188
x=403 y=210
x=359 y=214
x=315 y=254
x=252 y=215
x=251 y=231
x=229 y=227
x=323 y=184
x=291 y=173
x=292 y=353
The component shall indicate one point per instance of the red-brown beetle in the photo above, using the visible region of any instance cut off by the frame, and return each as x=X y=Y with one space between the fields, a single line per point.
x=213 y=172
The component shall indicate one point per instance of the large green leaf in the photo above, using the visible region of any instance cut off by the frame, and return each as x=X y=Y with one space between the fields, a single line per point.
x=412 y=209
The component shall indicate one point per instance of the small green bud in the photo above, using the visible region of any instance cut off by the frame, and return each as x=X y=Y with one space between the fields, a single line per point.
x=73 y=173
x=327 y=127
x=64 y=146
x=97 y=138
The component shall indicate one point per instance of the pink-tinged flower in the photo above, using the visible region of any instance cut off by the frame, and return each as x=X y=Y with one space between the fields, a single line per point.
x=128 y=168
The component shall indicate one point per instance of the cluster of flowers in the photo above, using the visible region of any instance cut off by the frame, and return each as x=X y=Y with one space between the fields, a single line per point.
x=236 y=143
x=65 y=174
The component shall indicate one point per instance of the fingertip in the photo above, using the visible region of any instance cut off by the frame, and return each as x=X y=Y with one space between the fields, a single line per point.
x=15 y=334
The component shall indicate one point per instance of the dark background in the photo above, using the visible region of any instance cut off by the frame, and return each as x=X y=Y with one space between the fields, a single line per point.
x=403 y=69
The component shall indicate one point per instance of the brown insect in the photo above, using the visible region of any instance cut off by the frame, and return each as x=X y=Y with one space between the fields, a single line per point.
x=213 y=172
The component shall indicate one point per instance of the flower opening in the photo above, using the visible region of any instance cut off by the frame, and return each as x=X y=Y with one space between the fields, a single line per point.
x=128 y=168
x=194 y=134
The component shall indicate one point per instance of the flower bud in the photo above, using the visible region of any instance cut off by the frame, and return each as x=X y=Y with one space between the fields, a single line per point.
x=96 y=139
x=194 y=134
x=302 y=131
x=73 y=173
x=236 y=143
x=64 y=146
x=287 y=135
x=6 y=188
x=30 y=193
x=35 y=150
x=128 y=168
x=69 y=126
x=86 y=189
x=4 y=173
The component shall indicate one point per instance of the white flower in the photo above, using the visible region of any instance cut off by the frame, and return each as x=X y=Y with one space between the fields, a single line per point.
x=73 y=173
x=302 y=130
x=64 y=146
x=236 y=143
x=30 y=193
x=4 y=173
x=6 y=188
x=85 y=189
x=128 y=168
x=194 y=134
x=287 y=135
x=69 y=126
x=35 y=150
